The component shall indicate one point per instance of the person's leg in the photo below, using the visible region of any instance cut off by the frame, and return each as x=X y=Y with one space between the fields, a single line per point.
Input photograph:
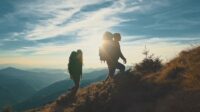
x=111 y=69
x=70 y=89
x=110 y=73
x=77 y=82
x=76 y=86
x=121 y=67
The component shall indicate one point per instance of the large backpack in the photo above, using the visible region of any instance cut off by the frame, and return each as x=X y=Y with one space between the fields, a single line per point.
x=102 y=55
x=72 y=62
x=105 y=51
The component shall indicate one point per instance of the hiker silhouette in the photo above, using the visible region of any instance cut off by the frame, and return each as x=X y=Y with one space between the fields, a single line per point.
x=75 y=68
x=110 y=52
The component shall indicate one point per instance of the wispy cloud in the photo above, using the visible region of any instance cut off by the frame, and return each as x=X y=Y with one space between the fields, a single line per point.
x=53 y=28
x=139 y=39
x=96 y=21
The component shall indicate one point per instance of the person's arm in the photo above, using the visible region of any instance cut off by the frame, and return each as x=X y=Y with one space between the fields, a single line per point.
x=121 y=55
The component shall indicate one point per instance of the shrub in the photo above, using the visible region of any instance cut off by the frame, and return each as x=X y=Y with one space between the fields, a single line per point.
x=150 y=64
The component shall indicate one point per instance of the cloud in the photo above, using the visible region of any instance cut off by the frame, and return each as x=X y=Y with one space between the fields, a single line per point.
x=60 y=12
x=53 y=28
x=164 y=18
x=65 y=22
x=154 y=40
x=62 y=18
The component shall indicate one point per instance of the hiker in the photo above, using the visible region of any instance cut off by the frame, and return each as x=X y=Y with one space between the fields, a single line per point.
x=118 y=53
x=75 y=68
x=110 y=52
x=105 y=50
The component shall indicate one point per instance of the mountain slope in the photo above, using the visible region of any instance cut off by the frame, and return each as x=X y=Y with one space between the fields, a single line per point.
x=174 y=88
x=14 y=92
x=183 y=70
x=51 y=92
x=45 y=95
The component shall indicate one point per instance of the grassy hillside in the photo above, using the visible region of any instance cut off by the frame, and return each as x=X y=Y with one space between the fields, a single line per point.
x=172 y=87
x=183 y=71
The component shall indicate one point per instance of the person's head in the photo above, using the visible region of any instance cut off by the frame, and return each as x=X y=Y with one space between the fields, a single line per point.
x=117 y=37
x=107 y=36
x=80 y=55
x=79 y=52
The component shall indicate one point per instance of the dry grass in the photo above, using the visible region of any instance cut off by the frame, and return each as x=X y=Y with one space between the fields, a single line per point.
x=172 y=88
x=183 y=70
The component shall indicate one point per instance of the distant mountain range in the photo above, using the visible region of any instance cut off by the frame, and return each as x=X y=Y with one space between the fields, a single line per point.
x=52 y=92
x=23 y=88
x=37 y=80
x=17 y=85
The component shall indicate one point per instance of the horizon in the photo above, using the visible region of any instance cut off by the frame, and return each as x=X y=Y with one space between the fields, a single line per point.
x=42 y=34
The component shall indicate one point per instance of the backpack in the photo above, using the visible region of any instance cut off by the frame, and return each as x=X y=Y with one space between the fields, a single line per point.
x=72 y=62
x=102 y=55
x=105 y=52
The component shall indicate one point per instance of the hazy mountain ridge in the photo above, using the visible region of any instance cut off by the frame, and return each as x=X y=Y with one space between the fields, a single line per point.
x=37 y=80
x=174 y=88
x=51 y=92
x=21 y=88
x=17 y=85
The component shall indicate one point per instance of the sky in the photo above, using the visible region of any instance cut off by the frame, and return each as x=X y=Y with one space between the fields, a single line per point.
x=42 y=33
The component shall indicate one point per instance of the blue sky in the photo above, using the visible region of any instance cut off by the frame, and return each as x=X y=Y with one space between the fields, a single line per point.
x=36 y=33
